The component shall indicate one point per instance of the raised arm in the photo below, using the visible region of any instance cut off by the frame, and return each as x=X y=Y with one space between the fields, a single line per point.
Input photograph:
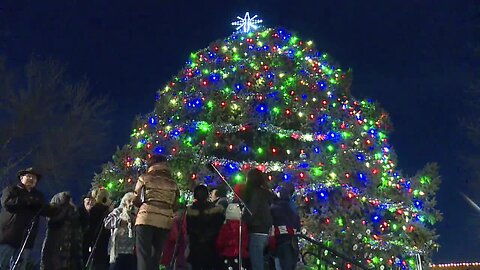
x=112 y=220
x=14 y=202
x=138 y=190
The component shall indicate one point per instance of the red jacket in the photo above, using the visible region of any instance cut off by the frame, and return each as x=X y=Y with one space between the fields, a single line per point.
x=178 y=235
x=228 y=238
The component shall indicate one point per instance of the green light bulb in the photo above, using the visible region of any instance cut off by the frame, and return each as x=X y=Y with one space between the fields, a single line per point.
x=204 y=126
x=334 y=160
x=293 y=40
x=238 y=178
x=226 y=90
x=317 y=171
x=346 y=135
x=425 y=180
x=188 y=141
x=340 y=222
x=210 y=104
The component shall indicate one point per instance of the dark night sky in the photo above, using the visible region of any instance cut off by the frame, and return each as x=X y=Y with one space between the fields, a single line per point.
x=414 y=57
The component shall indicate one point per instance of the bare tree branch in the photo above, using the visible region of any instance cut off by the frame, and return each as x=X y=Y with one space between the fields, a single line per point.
x=51 y=123
x=14 y=162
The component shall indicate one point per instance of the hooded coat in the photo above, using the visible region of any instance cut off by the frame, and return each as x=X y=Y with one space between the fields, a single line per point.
x=204 y=220
x=62 y=247
x=160 y=194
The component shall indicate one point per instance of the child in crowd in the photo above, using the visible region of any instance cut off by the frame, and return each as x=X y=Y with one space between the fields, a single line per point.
x=228 y=240
x=175 y=249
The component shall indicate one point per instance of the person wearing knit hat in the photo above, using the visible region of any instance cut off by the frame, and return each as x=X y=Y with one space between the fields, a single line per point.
x=62 y=247
x=228 y=240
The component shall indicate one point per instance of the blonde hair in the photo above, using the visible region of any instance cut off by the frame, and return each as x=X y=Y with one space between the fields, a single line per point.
x=129 y=196
x=100 y=195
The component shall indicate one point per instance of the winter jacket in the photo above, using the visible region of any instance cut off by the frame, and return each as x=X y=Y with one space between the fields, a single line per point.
x=222 y=201
x=95 y=226
x=203 y=224
x=286 y=221
x=259 y=204
x=84 y=222
x=62 y=247
x=228 y=239
x=283 y=213
x=160 y=197
x=19 y=208
x=120 y=222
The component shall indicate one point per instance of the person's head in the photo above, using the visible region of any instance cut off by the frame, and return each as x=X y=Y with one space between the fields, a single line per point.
x=61 y=198
x=255 y=178
x=101 y=196
x=29 y=178
x=286 y=190
x=200 y=193
x=217 y=193
x=127 y=200
x=156 y=159
x=88 y=202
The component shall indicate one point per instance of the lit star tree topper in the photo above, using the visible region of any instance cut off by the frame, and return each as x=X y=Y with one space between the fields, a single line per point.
x=247 y=23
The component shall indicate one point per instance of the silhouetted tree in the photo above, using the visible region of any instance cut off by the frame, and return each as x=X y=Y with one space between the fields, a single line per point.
x=49 y=122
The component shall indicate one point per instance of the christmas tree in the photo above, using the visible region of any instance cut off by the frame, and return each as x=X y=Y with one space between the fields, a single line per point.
x=264 y=98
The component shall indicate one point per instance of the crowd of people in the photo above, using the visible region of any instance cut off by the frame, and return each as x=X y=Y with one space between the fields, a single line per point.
x=149 y=227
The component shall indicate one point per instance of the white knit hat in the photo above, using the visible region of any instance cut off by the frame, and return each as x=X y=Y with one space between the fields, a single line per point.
x=233 y=212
